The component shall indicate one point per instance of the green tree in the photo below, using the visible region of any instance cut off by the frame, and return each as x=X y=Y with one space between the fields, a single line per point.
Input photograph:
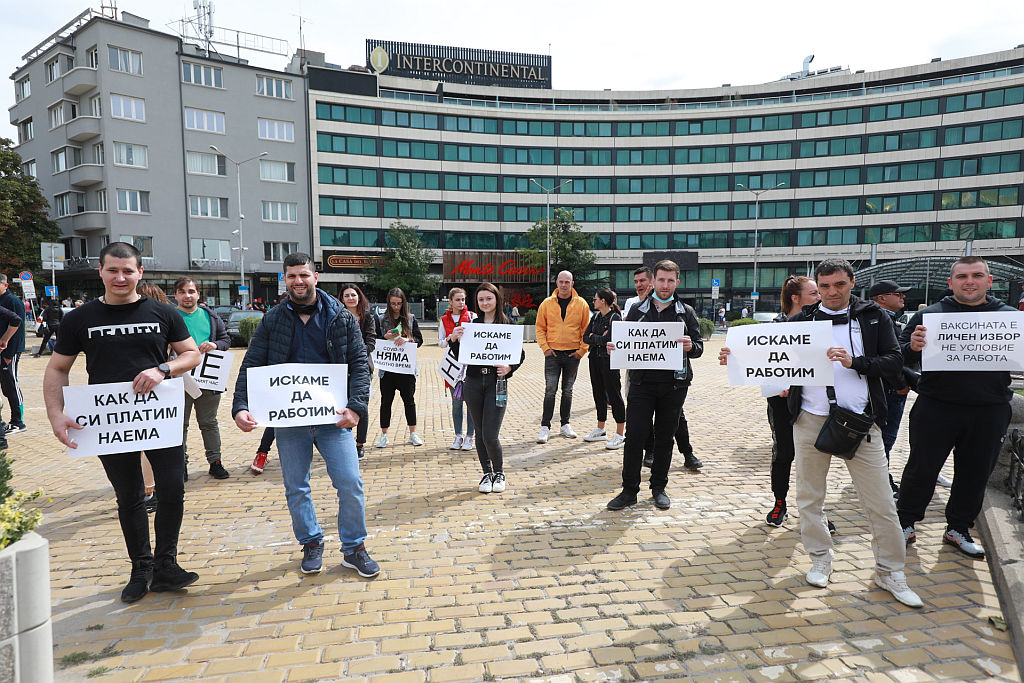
x=571 y=249
x=24 y=222
x=407 y=264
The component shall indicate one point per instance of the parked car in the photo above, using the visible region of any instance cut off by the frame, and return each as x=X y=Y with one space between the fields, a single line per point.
x=224 y=312
x=233 y=321
x=764 y=316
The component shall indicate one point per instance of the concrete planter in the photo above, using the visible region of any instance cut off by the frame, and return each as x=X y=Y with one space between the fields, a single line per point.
x=529 y=333
x=26 y=640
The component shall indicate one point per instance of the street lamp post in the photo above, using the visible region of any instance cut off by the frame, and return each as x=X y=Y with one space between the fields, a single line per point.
x=547 y=226
x=241 y=217
x=757 y=246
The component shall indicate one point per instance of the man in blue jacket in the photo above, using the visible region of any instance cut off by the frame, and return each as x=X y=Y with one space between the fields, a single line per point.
x=9 y=358
x=311 y=326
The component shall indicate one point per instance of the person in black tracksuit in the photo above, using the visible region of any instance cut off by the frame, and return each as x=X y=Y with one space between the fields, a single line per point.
x=51 y=315
x=967 y=412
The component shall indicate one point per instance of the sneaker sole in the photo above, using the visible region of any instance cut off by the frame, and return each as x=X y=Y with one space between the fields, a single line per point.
x=600 y=438
x=785 y=516
x=359 y=571
x=164 y=587
x=616 y=508
x=312 y=571
x=960 y=549
x=256 y=470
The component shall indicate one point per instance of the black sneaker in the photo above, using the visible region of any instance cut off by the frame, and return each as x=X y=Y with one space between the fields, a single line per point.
x=361 y=561
x=648 y=460
x=622 y=501
x=170 y=577
x=217 y=470
x=778 y=514
x=360 y=452
x=692 y=462
x=138 y=584
x=831 y=527
x=150 y=503
x=661 y=499
x=962 y=541
x=15 y=428
x=312 y=558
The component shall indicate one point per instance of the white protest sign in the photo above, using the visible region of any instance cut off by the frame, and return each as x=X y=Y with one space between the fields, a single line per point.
x=773 y=354
x=647 y=346
x=450 y=370
x=973 y=341
x=389 y=356
x=297 y=394
x=117 y=420
x=484 y=344
x=214 y=370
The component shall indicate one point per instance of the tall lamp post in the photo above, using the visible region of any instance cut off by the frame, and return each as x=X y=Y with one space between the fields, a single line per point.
x=547 y=226
x=241 y=217
x=757 y=246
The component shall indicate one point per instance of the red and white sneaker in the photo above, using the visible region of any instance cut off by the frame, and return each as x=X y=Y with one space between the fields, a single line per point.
x=258 y=463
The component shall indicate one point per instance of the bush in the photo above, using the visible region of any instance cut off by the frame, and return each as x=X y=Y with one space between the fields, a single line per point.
x=15 y=520
x=247 y=328
x=742 y=321
x=707 y=328
x=734 y=314
x=530 y=318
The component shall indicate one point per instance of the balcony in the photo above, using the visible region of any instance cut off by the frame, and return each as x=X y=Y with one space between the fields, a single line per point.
x=82 y=128
x=87 y=221
x=79 y=80
x=85 y=175
x=93 y=262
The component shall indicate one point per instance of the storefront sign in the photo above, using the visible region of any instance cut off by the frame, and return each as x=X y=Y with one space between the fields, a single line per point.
x=341 y=262
x=490 y=266
x=973 y=341
x=780 y=356
x=459 y=64
x=115 y=419
x=297 y=394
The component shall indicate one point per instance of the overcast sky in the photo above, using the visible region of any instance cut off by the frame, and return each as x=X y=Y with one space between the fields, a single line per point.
x=594 y=44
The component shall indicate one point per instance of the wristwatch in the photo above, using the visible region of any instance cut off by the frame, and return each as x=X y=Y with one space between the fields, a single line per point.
x=166 y=369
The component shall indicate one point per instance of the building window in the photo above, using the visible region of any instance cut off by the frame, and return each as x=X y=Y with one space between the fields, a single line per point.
x=127 y=61
x=26 y=131
x=97 y=153
x=203 y=163
x=22 y=89
x=200 y=74
x=127 y=154
x=69 y=203
x=274 y=87
x=124 y=107
x=101 y=200
x=132 y=201
x=96 y=106
x=207 y=207
x=280 y=212
x=282 y=131
x=92 y=57
x=210 y=250
x=143 y=243
x=278 y=171
x=60 y=160
x=201 y=119
x=29 y=168
x=276 y=251
x=52 y=70
x=56 y=115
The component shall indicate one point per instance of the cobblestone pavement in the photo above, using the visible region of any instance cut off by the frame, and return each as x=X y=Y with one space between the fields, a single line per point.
x=540 y=582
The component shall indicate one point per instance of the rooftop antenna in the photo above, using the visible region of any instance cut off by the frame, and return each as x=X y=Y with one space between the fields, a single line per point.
x=200 y=27
x=204 y=20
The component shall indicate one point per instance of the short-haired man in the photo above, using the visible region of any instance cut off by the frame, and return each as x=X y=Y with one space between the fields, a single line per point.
x=642 y=279
x=125 y=337
x=891 y=297
x=562 y=318
x=10 y=357
x=210 y=334
x=967 y=412
x=313 y=327
x=656 y=396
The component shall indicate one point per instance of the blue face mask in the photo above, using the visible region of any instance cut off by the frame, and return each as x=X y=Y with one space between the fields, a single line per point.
x=658 y=298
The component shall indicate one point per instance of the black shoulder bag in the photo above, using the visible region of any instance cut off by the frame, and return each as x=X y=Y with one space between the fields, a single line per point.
x=843 y=430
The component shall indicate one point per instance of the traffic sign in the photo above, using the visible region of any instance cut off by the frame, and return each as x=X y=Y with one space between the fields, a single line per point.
x=51 y=291
x=25 y=275
x=755 y=295
x=29 y=288
x=243 y=288
x=281 y=288
x=714 y=290
x=716 y=282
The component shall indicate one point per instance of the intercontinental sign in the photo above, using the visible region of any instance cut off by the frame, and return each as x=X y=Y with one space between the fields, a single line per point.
x=458 y=64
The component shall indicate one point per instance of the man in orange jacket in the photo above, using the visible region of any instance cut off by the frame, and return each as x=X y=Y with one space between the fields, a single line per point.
x=561 y=320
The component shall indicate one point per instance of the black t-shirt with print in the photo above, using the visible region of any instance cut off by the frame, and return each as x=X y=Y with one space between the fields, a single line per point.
x=120 y=341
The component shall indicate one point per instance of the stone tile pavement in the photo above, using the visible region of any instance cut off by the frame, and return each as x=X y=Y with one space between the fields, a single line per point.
x=540 y=582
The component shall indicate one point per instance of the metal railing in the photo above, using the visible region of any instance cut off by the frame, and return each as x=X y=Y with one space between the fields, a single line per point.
x=1015 y=478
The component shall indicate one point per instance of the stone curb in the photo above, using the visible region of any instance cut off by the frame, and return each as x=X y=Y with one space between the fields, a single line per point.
x=1004 y=543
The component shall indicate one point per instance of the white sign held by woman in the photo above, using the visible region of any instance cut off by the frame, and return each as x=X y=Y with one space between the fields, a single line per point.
x=485 y=344
x=297 y=394
x=392 y=357
x=794 y=354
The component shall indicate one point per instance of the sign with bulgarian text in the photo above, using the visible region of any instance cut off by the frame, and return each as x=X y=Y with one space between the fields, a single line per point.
x=392 y=357
x=791 y=354
x=648 y=346
x=114 y=419
x=450 y=369
x=297 y=394
x=214 y=370
x=483 y=344
x=973 y=341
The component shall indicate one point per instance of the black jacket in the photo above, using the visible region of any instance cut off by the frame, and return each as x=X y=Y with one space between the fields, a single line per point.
x=882 y=357
x=965 y=388
x=646 y=311
x=598 y=333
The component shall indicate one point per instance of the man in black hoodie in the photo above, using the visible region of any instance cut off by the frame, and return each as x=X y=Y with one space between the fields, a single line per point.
x=967 y=412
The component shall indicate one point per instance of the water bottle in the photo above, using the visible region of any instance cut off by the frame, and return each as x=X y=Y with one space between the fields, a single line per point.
x=501 y=392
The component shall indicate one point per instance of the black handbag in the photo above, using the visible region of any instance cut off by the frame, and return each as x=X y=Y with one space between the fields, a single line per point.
x=843 y=430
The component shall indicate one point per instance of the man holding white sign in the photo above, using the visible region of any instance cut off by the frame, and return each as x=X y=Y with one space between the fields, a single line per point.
x=311 y=327
x=125 y=337
x=967 y=411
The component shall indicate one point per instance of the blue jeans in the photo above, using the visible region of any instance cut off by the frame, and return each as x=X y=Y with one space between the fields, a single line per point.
x=338 y=448
x=457 y=413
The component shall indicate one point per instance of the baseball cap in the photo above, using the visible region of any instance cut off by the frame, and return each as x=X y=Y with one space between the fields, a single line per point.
x=885 y=287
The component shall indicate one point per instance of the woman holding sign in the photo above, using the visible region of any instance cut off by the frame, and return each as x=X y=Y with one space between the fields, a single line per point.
x=486 y=393
x=400 y=325
x=457 y=314
x=359 y=306
x=606 y=383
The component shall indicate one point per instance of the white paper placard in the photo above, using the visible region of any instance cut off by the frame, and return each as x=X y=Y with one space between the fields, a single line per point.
x=979 y=342
x=486 y=344
x=297 y=394
x=116 y=420
x=214 y=370
x=389 y=356
x=450 y=370
x=647 y=346
x=773 y=354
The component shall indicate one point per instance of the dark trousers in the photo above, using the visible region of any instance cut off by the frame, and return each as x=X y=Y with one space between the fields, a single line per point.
x=404 y=385
x=267 y=441
x=662 y=401
x=364 y=424
x=975 y=435
x=783 y=451
x=895 y=403
x=124 y=471
x=683 y=434
x=607 y=387
x=566 y=365
x=478 y=393
x=10 y=387
x=46 y=337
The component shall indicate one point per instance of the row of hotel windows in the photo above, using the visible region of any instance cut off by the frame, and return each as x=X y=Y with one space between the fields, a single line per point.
x=472 y=124
x=137 y=201
x=953 y=135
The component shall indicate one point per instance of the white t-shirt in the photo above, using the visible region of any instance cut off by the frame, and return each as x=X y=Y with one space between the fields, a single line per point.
x=851 y=386
x=630 y=302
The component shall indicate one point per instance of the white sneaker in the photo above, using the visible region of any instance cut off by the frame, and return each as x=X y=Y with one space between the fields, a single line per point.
x=896 y=583
x=821 y=569
x=382 y=441
x=498 y=482
x=485 y=484
x=567 y=432
x=468 y=444
x=457 y=444
x=415 y=439
x=943 y=480
x=543 y=436
x=596 y=434
x=615 y=441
